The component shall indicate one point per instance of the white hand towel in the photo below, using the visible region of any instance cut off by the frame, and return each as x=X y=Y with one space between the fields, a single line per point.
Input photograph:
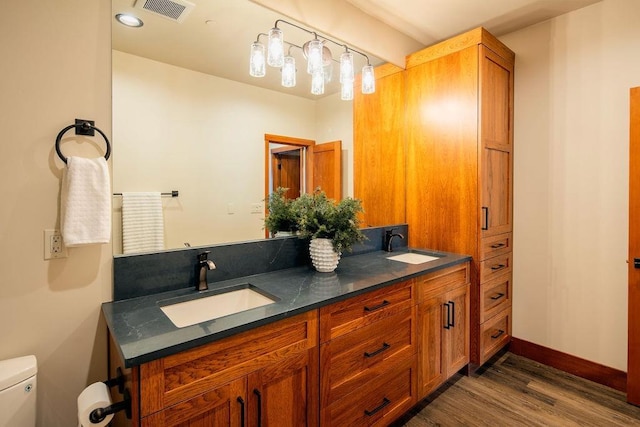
x=85 y=202
x=142 y=222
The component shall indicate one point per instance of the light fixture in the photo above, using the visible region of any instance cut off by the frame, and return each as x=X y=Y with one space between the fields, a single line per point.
x=319 y=62
x=129 y=20
x=289 y=71
x=368 y=79
x=314 y=51
x=275 y=50
x=346 y=67
x=256 y=62
x=346 y=90
x=317 y=82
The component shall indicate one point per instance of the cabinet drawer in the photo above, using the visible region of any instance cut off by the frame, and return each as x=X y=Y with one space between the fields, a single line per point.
x=496 y=245
x=495 y=296
x=346 y=316
x=441 y=281
x=172 y=379
x=494 y=267
x=495 y=334
x=355 y=358
x=377 y=403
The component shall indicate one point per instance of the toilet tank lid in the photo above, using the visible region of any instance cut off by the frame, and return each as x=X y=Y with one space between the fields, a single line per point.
x=12 y=371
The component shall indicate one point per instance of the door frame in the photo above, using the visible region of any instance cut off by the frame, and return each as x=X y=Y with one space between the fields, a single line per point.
x=286 y=140
x=633 y=340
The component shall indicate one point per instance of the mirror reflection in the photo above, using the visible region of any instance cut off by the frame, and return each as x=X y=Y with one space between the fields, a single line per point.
x=212 y=138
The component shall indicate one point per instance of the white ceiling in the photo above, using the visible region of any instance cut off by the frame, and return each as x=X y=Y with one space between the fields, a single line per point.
x=215 y=37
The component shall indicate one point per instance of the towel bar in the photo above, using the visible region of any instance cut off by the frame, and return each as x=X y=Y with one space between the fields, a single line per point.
x=173 y=193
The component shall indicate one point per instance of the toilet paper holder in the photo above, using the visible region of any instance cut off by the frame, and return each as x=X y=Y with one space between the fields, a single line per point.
x=119 y=380
x=99 y=414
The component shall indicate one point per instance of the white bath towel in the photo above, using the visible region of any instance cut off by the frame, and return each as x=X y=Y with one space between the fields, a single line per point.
x=142 y=222
x=85 y=202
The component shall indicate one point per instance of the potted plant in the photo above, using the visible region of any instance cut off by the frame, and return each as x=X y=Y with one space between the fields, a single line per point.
x=282 y=219
x=332 y=227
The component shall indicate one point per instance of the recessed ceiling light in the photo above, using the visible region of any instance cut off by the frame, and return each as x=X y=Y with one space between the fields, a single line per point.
x=129 y=20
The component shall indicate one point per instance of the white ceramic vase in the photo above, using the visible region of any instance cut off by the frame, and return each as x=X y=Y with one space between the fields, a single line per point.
x=324 y=258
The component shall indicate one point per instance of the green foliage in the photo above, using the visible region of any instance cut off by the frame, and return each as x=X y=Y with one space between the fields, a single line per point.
x=321 y=217
x=282 y=215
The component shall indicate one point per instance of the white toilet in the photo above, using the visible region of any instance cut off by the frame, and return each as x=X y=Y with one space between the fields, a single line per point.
x=18 y=392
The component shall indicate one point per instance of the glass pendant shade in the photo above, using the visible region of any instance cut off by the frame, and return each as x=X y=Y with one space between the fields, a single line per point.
x=275 y=50
x=314 y=57
x=368 y=79
x=289 y=71
x=346 y=67
x=346 y=91
x=256 y=61
x=317 y=82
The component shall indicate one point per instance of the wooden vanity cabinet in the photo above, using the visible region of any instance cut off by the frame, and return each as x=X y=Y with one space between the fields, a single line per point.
x=443 y=326
x=367 y=357
x=460 y=165
x=265 y=376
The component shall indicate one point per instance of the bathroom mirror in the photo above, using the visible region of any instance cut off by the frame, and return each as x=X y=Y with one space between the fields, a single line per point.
x=186 y=118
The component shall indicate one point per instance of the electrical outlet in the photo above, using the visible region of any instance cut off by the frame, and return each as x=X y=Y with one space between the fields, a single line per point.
x=257 y=208
x=53 y=245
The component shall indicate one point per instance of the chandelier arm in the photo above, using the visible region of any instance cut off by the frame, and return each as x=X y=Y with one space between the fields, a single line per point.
x=322 y=37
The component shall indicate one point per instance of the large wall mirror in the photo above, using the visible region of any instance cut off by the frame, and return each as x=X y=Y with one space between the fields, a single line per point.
x=188 y=117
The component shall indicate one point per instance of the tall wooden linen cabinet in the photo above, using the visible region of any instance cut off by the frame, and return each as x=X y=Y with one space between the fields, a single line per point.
x=458 y=167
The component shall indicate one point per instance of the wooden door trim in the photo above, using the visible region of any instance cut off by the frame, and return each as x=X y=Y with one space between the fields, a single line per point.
x=633 y=343
x=281 y=139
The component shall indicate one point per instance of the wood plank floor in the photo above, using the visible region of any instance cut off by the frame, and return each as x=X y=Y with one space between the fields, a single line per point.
x=515 y=391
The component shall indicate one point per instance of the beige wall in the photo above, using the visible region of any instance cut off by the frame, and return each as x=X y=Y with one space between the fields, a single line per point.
x=334 y=121
x=55 y=67
x=572 y=81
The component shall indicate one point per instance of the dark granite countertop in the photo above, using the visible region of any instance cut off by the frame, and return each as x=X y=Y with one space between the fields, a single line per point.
x=142 y=332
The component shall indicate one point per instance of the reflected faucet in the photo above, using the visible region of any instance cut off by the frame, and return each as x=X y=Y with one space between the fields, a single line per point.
x=388 y=239
x=204 y=265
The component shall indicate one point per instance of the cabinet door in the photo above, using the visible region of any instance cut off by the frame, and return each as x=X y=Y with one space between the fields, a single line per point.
x=285 y=393
x=496 y=136
x=223 y=406
x=456 y=342
x=432 y=320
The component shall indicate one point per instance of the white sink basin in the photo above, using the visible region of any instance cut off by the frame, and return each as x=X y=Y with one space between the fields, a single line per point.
x=413 y=258
x=211 y=307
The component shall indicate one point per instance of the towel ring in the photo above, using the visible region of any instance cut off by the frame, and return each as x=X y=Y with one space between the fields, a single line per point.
x=83 y=127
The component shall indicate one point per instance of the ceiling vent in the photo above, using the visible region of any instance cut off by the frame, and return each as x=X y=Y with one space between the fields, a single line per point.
x=175 y=10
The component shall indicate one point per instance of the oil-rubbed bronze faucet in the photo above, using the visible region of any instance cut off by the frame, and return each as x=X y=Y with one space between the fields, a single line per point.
x=204 y=265
x=388 y=238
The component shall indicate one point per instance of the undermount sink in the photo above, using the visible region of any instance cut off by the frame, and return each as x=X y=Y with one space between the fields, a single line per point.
x=213 y=306
x=413 y=258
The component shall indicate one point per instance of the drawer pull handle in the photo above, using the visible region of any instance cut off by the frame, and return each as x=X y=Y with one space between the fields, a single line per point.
x=497 y=296
x=384 y=303
x=384 y=403
x=241 y=402
x=259 y=396
x=498 y=267
x=500 y=332
x=447 y=324
x=486 y=218
x=498 y=245
x=453 y=313
x=384 y=347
